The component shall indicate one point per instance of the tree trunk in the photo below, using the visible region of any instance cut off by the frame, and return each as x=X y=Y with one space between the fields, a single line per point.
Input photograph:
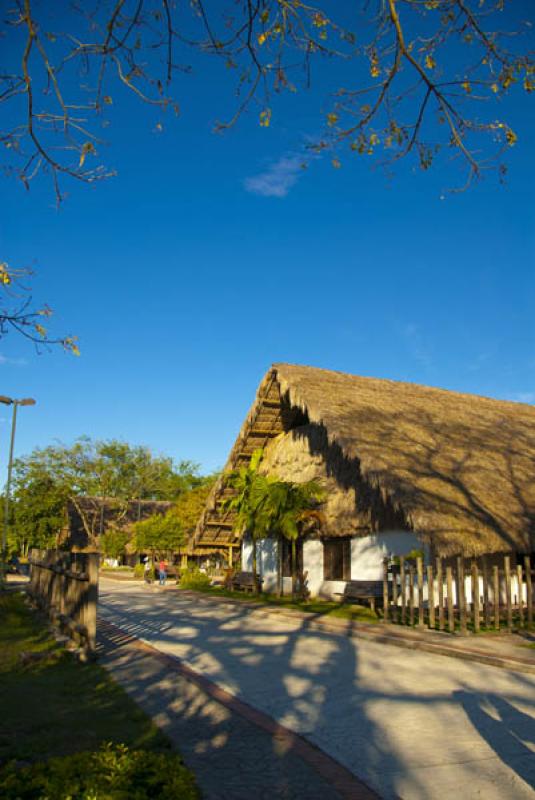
x=294 y=568
x=255 y=577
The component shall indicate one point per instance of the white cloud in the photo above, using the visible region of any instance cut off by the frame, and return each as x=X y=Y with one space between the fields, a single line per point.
x=522 y=397
x=19 y=362
x=277 y=179
x=416 y=345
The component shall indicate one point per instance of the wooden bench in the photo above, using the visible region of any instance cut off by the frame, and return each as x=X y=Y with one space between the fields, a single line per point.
x=171 y=572
x=356 y=591
x=244 y=582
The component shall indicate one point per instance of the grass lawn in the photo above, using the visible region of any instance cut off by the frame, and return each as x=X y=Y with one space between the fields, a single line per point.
x=325 y=608
x=57 y=706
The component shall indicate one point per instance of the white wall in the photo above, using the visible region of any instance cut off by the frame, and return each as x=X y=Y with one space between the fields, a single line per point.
x=367 y=554
x=266 y=561
x=246 y=555
x=313 y=565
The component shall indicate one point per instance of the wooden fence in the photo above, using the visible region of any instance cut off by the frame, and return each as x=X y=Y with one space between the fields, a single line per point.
x=459 y=594
x=65 y=586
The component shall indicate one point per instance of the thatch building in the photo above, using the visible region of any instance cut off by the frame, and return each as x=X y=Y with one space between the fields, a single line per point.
x=87 y=518
x=404 y=467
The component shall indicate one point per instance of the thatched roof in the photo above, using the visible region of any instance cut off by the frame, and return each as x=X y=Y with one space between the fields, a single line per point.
x=88 y=516
x=458 y=469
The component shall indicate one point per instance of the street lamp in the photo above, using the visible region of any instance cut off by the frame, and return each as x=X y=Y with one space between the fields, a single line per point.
x=9 y=401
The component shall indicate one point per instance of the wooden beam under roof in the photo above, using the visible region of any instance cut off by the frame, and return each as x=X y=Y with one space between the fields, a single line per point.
x=264 y=423
x=270 y=403
x=214 y=524
x=217 y=543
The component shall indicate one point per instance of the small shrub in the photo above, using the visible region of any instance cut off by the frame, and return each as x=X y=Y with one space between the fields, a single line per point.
x=112 y=773
x=411 y=556
x=120 y=568
x=139 y=572
x=193 y=578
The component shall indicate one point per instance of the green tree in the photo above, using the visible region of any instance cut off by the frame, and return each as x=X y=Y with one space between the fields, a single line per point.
x=293 y=510
x=38 y=511
x=113 y=543
x=266 y=506
x=109 y=469
x=161 y=535
x=190 y=505
x=251 y=504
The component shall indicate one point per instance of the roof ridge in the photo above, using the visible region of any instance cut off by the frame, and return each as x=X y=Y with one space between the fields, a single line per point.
x=421 y=387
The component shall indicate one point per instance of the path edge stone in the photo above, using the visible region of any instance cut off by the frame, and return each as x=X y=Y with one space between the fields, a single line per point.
x=348 y=785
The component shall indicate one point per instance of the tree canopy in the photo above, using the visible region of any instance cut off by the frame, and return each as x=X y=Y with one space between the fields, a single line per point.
x=411 y=76
x=46 y=479
x=113 y=543
x=162 y=534
x=190 y=504
x=38 y=511
x=398 y=79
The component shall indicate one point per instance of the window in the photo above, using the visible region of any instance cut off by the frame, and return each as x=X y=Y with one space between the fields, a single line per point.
x=287 y=557
x=337 y=560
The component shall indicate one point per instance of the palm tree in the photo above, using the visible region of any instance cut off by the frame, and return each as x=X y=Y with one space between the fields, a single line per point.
x=250 y=503
x=293 y=510
x=266 y=506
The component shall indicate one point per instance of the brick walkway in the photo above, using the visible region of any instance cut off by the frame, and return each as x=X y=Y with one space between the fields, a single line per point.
x=235 y=751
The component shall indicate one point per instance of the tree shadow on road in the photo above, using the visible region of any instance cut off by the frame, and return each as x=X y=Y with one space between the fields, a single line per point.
x=366 y=704
x=506 y=729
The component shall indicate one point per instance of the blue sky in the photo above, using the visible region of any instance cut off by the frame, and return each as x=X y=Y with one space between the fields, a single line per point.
x=211 y=256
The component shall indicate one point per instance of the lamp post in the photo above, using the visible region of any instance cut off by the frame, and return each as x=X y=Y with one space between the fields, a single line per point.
x=9 y=401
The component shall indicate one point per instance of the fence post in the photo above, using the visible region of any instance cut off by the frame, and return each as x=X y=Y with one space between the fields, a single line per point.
x=56 y=587
x=449 y=589
x=486 y=602
x=385 y=590
x=461 y=600
x=395 y=609
x=49 y=584
x=440 y=587
x=431 y=596
x=420 y=570
x=529 y=595
x=92 y=599
x=475 y=595
x=507 y=571
x=496 y=592
x=36 y=575
x=64 y=593
x=33 y=572
x=411 y=594
x=520 y=582
x=403 y=582
x=64 y=579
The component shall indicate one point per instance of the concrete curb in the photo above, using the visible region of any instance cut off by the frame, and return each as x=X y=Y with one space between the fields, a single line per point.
x=348 y=786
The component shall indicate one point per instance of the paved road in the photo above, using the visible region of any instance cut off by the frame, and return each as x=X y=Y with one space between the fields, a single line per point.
x=410 y=724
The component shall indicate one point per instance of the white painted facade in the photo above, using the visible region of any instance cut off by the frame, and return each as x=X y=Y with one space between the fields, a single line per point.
x=367 y=554
x=266 y=561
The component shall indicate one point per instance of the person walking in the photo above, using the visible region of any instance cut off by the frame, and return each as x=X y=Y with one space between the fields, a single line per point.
x=148 y=570
x=162 y=572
